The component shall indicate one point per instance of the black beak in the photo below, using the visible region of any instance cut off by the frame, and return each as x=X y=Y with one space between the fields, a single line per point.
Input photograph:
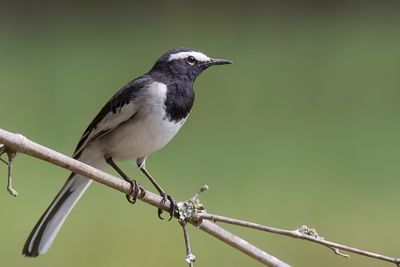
x=216 y=61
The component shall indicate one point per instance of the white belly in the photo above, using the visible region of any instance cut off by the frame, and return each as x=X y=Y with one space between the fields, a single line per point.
x=140 y=138
x=148 y=131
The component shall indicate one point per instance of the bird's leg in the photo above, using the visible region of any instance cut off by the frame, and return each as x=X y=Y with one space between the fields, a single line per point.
x=142 y=167
x=135 y=186
x=164 y=195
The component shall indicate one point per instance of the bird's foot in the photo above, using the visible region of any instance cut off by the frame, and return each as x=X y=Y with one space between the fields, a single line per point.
x=137 y=191
x=174 y=206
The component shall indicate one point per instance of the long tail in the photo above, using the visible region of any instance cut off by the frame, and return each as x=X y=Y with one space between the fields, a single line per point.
x=46 y=229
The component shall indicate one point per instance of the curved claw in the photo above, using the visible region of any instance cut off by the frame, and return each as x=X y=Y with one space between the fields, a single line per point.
x=159 y=212
x=174 y=205
x=130 y=199
x=134 y=193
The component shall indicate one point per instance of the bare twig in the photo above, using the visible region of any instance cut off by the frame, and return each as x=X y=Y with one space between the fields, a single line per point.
x=190 y=258
x=191 y=211
x=20 y=144
x=303 y=232
x=11 y=155
x=187 y=210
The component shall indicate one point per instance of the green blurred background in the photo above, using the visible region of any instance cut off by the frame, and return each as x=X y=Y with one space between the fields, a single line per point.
x=302 y=129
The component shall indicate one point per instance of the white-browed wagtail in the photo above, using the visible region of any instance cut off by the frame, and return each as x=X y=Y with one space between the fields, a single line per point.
x=139 y=119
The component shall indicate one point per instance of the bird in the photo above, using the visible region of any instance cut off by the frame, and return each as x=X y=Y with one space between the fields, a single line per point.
x=139 y=119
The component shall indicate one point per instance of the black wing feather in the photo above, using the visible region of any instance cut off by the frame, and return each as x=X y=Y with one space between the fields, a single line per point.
x=123 y=97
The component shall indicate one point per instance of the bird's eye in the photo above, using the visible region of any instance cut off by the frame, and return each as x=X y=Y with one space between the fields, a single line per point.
x=191 y=60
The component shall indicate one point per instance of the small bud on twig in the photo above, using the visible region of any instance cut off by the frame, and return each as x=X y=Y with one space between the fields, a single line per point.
x=189 y=209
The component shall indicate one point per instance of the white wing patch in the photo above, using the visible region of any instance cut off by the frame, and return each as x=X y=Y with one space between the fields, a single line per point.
x=197 y=55
x=109 y=122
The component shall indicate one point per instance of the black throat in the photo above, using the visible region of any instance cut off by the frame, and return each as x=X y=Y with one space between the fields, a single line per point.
x=180 y=96
x=179 y=101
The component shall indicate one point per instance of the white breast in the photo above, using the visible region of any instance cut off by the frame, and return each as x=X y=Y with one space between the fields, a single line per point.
x=147 y=132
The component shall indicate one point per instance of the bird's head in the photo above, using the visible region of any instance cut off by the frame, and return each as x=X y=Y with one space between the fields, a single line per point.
x=185 y=63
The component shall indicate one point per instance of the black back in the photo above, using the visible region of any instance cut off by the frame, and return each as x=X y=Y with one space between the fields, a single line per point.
x=178 y=75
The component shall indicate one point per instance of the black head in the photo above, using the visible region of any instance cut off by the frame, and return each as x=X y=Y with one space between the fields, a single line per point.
x=185 y=63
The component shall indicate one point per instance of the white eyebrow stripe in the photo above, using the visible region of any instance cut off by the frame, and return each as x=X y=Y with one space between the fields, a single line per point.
x=197 y=55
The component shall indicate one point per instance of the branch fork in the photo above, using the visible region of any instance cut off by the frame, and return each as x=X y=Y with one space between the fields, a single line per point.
x=190 y=211
x=11 y=155
x=187 y=212
x=313 y=233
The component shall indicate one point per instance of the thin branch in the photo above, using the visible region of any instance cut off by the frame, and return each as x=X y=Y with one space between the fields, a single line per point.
x=11 y=155
x=190 y=258
x=191 y=210
x=20 y=144
x=303 y=232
